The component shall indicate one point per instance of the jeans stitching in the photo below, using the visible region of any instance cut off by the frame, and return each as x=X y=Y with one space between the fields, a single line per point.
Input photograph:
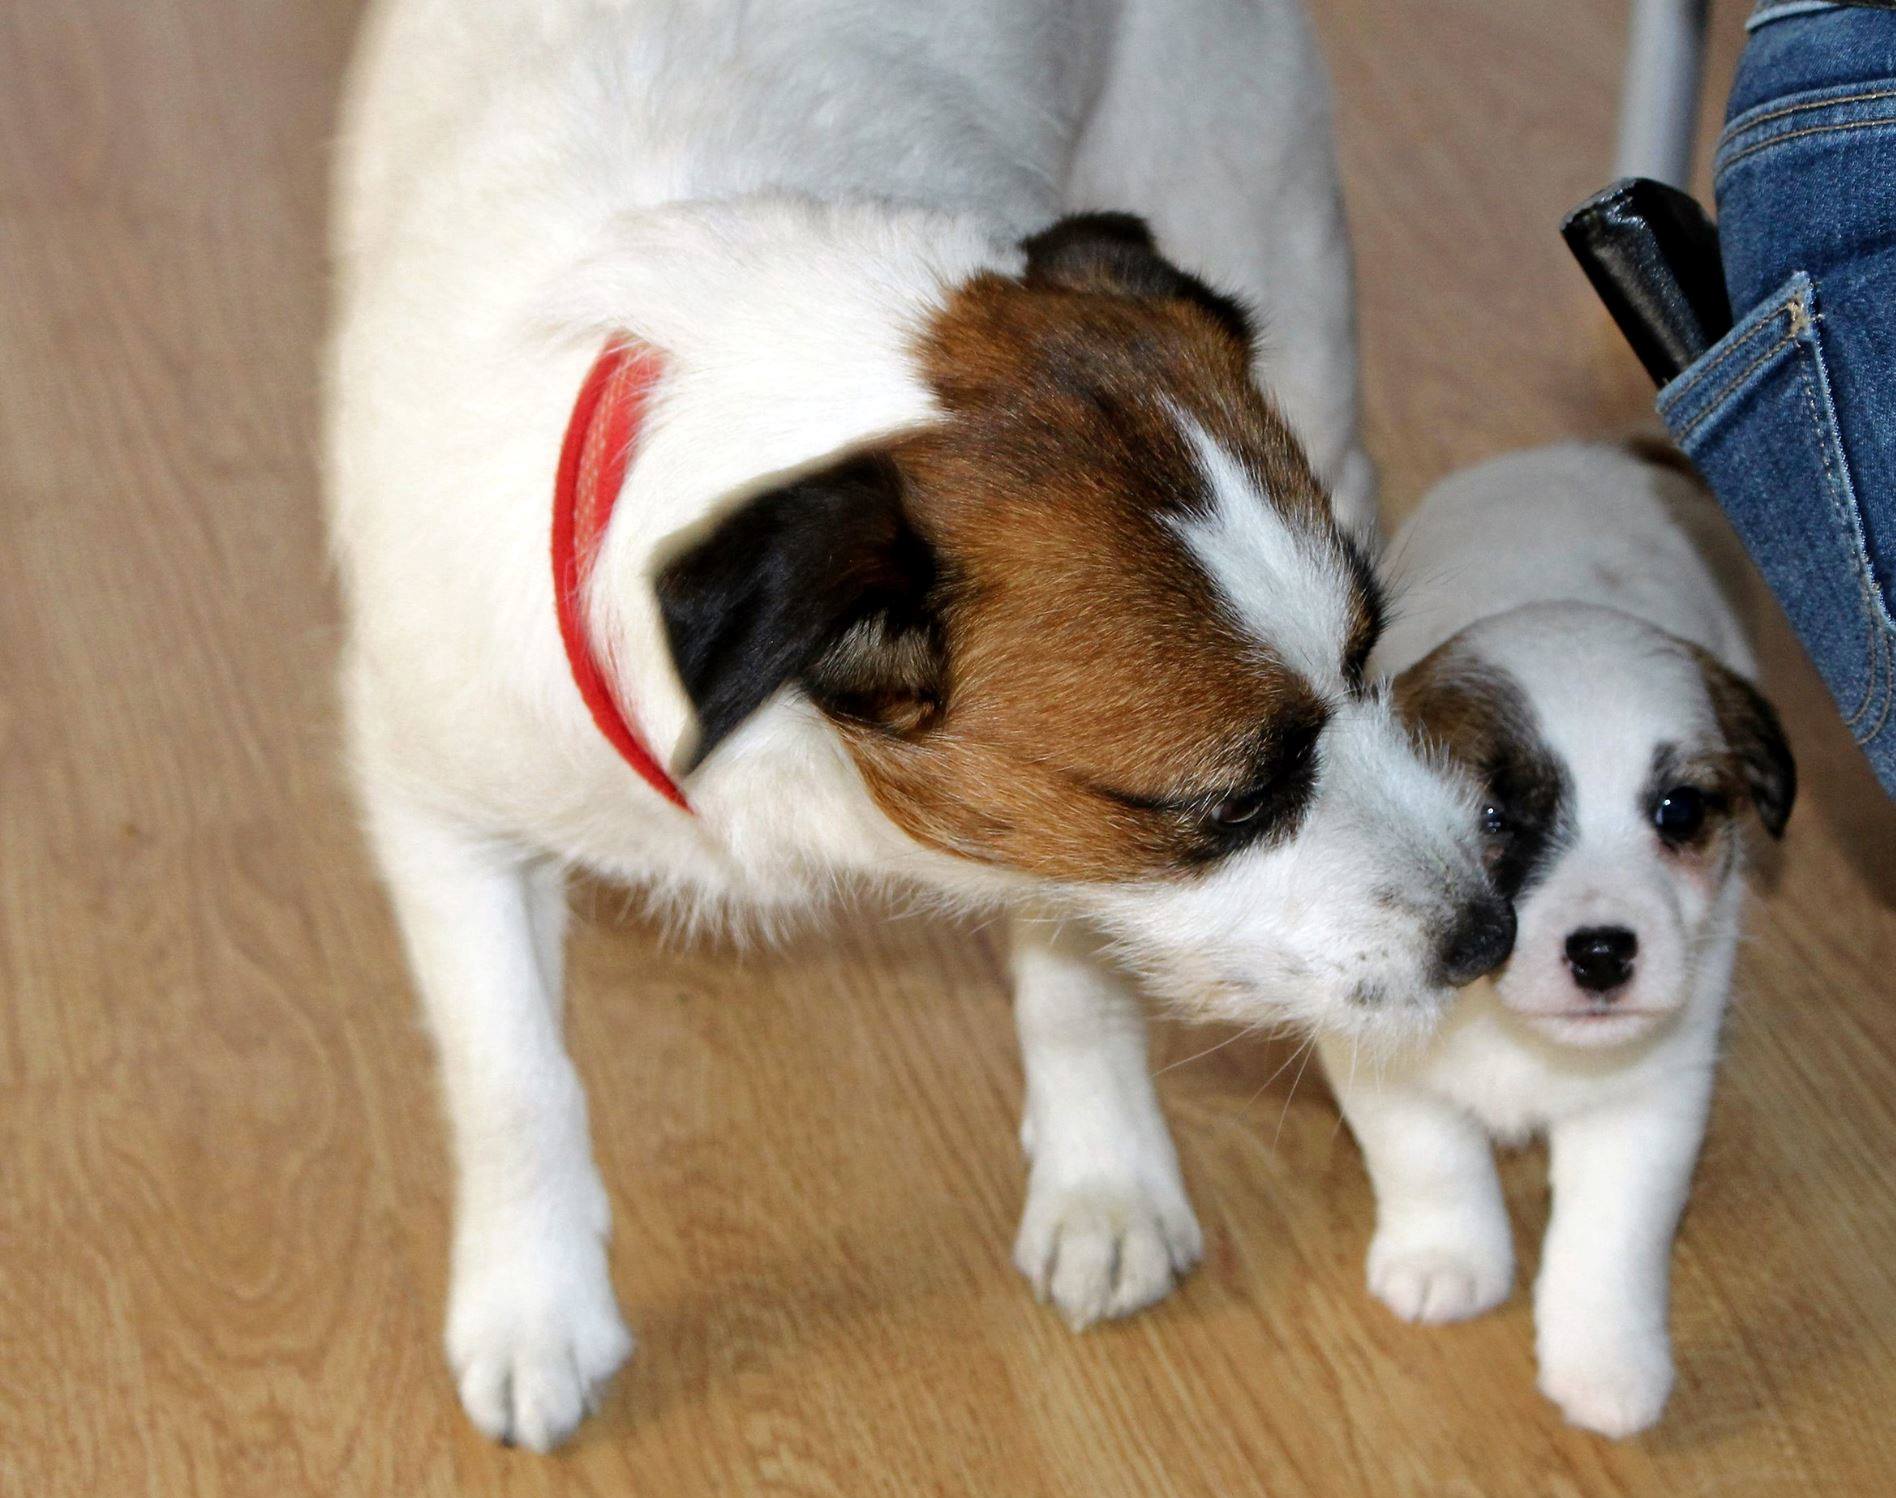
x=1886 y=679
x=1875 y=730
x=1877 y=701
x=1882 y=676
x=1822 y=434
x=1717 y=402
x=1751 y=119
x=1875 y=612
x=1678 y=394
x=1725 y=166
x=1773 y=10
x=1849 y=511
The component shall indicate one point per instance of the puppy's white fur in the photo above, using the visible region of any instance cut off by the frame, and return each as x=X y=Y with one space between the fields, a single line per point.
x=777 y=196
x=1569 y=569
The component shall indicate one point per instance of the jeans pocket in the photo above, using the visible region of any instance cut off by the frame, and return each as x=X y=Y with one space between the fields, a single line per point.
x=1756 y=413
x=1767 y=11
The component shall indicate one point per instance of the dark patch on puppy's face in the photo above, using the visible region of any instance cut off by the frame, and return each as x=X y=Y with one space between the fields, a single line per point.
x=1688 y=799
x=1479 y=715
x=1693 y=790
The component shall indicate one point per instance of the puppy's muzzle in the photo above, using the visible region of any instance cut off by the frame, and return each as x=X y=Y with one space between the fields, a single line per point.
x=1478 y=942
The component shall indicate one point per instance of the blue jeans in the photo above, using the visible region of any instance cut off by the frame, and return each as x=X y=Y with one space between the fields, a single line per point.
x=1791 y=416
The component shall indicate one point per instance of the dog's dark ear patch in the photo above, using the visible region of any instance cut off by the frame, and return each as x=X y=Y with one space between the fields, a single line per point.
x=823 y=582
x=1755 y=738
x=1115 y=252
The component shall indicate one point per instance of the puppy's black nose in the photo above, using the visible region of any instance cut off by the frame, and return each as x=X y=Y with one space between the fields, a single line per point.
x=1479 y=941
x=1601 y=957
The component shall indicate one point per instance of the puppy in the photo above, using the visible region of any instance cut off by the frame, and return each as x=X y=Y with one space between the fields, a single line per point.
x=1567 y=645
x=928 y=541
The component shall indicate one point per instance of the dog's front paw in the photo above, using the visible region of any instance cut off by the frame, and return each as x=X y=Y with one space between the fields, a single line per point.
x=533 y=1335
x=1615 y=1385
x=1099 y=1249
x=1438 y=1277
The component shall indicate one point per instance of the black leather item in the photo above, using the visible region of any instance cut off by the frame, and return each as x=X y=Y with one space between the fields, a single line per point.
x=1652 y=255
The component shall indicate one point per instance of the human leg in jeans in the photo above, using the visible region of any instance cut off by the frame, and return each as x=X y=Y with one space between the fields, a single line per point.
x=1792 y=415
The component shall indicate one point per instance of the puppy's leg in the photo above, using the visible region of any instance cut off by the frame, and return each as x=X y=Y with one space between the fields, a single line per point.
x=1213 y=121
x=533 y=1330
x=1107 y=1226
x=1442 y=1249
x=1620 y=1176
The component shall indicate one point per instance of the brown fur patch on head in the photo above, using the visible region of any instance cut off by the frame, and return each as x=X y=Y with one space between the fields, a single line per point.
x=1757 y=762
x=1710 y=845
x=1101 y=702
x=1478 y=715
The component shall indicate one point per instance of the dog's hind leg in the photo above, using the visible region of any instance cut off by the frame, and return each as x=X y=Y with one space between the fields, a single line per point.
x=1107 y=1228
x=1214 y=124
x=533 y=1330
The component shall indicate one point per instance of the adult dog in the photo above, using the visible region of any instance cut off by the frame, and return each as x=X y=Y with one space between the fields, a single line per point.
x=957 y=548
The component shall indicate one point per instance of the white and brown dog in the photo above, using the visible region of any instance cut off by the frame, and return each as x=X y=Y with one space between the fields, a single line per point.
x=1565 y=641
x=941 y=547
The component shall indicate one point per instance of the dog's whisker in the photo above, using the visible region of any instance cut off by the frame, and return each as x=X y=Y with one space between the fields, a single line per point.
x=1282 y=1066
x=1309 y=1048
x=1247 y=1030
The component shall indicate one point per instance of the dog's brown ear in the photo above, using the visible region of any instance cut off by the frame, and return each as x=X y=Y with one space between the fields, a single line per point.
x=822 y=582
x=1755 y=738
x=1115 y=253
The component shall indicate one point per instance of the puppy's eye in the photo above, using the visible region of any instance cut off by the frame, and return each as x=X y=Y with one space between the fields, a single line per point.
x=1494 y=821
x=1680 y=813
x=1238 y=811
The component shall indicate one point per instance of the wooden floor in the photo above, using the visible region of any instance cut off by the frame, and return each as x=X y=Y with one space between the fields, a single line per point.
x=222 y=1203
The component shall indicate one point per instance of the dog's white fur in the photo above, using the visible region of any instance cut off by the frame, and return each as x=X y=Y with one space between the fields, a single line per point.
x=1563 y=566
x=775 y=195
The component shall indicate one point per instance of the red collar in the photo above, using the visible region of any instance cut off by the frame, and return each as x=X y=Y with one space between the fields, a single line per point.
x=594 y=457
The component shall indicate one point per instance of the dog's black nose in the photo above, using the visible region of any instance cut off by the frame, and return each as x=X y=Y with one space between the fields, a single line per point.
x=1479 y=941
x=1601 y=957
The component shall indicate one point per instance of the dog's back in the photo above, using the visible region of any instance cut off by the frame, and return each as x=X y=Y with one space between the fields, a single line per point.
x=1574 y=522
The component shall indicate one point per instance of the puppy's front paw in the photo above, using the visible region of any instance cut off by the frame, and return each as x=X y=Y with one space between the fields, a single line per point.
x=533 y=1335
x=1102 y=1248
x=1439 y=1277
x=1617 y=1386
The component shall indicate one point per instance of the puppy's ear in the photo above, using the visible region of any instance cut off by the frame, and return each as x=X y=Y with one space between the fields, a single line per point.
x=822 y=582
x=1115 y=253
x=1756 y=738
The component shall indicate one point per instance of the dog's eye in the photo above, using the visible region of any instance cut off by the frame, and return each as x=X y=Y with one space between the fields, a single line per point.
x=1238 y=811
x=1680 y=813
x=1494 y=821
